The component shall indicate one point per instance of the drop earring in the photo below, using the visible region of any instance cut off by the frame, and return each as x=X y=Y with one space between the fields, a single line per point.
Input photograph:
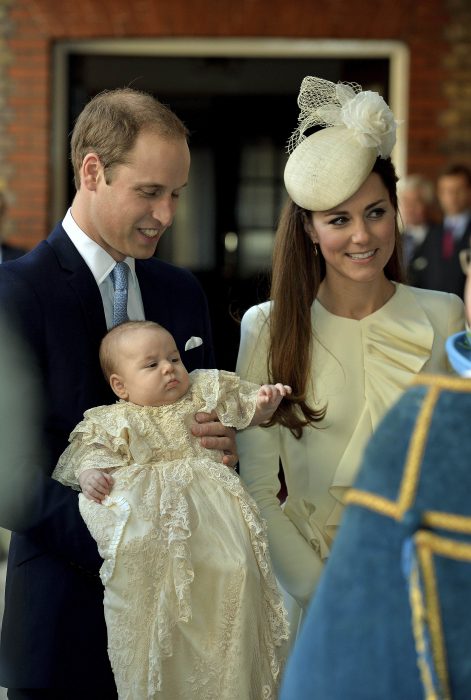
x=315 y=250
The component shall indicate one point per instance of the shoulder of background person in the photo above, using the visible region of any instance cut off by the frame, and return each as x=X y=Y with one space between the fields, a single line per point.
x=10 y=252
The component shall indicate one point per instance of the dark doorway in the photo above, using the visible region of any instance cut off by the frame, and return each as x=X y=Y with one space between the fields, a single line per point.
x=240 y=112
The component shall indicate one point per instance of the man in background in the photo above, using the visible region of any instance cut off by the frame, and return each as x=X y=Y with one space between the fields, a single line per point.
x=437 y=264
x=416 y=197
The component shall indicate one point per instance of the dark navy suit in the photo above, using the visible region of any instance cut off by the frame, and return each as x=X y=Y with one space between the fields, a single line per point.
x=429 y=270
x=10 y=252
x=54 y=633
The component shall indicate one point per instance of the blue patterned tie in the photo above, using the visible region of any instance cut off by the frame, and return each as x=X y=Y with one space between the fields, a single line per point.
x=119 y=276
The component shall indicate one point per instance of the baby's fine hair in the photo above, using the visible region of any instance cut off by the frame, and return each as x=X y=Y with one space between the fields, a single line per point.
x=108 y=346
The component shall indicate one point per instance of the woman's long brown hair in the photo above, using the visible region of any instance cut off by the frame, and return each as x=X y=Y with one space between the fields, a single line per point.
x=297 y=272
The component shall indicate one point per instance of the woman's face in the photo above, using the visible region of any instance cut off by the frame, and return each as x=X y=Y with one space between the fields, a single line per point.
x=357 y=237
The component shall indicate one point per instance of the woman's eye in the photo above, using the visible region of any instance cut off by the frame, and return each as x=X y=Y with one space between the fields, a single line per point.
x=338 y=221
x=377 y=213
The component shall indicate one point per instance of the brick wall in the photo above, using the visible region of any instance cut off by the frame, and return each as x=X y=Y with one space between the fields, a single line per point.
x=438 y=33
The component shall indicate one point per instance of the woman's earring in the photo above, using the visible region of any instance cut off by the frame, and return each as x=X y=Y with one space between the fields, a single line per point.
x=315 y=250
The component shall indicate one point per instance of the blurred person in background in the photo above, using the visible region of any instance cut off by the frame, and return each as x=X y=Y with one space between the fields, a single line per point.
x=437 y=264
x=7 y=251
x=416 y=197
x=20 y=429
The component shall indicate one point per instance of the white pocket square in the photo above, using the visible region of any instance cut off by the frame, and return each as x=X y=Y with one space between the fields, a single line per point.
x=193 y=342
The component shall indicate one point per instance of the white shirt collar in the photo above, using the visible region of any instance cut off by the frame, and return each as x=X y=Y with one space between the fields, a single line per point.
x=98 y=260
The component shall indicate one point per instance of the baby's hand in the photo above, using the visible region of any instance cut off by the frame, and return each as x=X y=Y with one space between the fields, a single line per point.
x=270 y=395
x=95 y=484
x=268 y=400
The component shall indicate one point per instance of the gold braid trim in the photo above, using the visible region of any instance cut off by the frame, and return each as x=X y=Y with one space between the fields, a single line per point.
x=416 y=450
x=444 y=546
x=443 y=381
x=418 y=617
x=372 y=501
x=410 y=478
x=447 y=521
x=428 y=545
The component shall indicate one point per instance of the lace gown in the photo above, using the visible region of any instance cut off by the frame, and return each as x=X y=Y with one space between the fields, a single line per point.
x=191 y=605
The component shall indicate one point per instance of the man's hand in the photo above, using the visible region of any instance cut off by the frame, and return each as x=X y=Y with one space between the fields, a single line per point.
x=95 y=484
x=216 y=436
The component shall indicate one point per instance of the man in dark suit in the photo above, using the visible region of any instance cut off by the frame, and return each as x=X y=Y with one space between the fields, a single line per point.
x=131 y=162
x=416 y=196
x=436 y=261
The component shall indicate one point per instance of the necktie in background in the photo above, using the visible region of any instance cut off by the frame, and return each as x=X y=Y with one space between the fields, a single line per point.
x=448 y=243
x=119 y=276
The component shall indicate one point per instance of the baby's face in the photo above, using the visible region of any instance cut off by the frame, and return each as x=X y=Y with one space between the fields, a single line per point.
x=150 y=368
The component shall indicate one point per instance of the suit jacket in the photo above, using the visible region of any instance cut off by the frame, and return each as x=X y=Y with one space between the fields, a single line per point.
x=10 y=252
x=429 y=270
x=53 y=624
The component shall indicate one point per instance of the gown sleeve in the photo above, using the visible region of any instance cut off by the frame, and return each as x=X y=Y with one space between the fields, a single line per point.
x=296 y=564
x=99 y=441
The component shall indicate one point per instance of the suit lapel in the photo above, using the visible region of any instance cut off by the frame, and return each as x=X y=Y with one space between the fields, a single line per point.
x=155 y=308
x=81 y=281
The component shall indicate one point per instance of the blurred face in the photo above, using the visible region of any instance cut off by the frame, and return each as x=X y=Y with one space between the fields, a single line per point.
x=128 y=215
x=357 y=237
x=150 y=370
x=413 y=208
x=454 y=194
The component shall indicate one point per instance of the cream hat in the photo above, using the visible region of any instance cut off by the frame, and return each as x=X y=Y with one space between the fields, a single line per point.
x=327 y=167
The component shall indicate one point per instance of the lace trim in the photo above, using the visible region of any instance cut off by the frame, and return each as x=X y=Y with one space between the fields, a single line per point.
x=119 y=504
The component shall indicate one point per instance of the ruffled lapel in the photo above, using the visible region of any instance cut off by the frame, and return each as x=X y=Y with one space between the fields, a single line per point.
x=398 y=343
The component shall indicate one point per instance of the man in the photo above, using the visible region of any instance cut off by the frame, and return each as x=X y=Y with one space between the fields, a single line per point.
x=436 y=264
x=131 y=161
x=391 y=617
x=415 y=197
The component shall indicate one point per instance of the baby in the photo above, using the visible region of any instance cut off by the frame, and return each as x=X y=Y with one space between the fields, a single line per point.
x=191 y=604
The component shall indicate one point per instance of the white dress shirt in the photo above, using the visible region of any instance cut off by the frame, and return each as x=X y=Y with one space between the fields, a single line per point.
x=101 y=263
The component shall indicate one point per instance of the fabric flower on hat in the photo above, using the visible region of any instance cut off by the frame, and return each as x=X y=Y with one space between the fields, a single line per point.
x=365 y=113
x=368 y=115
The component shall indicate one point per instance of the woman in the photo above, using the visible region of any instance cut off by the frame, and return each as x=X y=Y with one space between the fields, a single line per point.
x=340 y=327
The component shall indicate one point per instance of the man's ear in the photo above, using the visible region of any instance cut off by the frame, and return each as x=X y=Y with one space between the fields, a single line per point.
x=118 y=386
x=90 y=171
